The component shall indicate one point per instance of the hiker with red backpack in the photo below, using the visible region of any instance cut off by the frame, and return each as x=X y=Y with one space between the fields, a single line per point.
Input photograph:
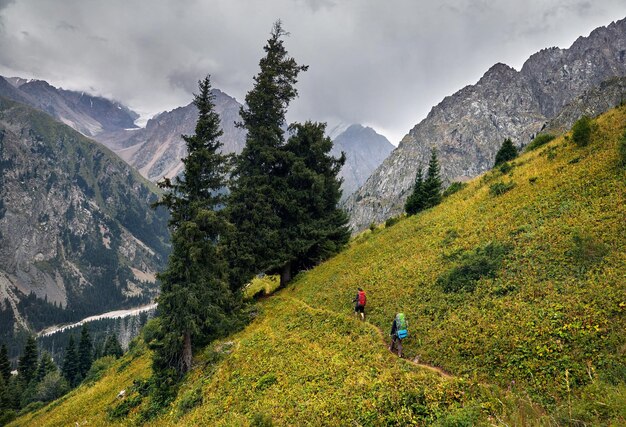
x=399 y=331
x=360 y=299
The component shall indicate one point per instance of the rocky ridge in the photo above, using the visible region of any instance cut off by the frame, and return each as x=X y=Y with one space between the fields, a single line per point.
x=467 y=128
x=76 y=227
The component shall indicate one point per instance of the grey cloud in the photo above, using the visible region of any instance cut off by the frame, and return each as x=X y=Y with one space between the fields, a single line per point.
x=384 y=64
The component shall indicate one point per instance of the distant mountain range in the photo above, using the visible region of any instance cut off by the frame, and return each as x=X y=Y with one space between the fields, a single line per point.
x=77 y=234
x=467 y=128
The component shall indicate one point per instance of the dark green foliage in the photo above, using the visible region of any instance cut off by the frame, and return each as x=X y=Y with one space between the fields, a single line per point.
x=472 y=266
x=587 y=251
x=622 y=150
x=432 y=183
x=539 y=140
x=392 y=221
x=261 y=420
x=112 y=347
x=581 y=131
x=416 y=201
x=196 y=303
x=51 y=387
x=284 y=195
x=189 y=400
x=507 y=152
x=5 y=364
x=505 y=168
x=46 y=366
x=70 y=368
x=85 y=352
x=27 y=364
x=454 y=188
x=499 y=188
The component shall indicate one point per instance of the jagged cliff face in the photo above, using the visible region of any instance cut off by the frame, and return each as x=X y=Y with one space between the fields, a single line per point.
x=157 y=150
x=75 y=223
x=467 y=128
x=365 y=150
x=89 y=115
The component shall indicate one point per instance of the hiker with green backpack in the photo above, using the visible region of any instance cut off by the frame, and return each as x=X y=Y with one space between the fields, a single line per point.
x=399 y=331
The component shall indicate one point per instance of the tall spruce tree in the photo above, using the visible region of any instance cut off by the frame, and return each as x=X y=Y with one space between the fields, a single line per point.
x=416 y=201
x=196 y=301
x=5 y=364
x=112 y=347
x=507 y=152
x=46 y=366
x=312 y=226
x=260 y=195
x=85 y=352
x=27 y=363
x=70 y=363
x=432 y=183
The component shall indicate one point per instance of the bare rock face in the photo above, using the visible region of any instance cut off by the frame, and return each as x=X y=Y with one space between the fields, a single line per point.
x=157 y=150
x=467 y=128
x=365 y=150
x=88 y=114
x=76 y=228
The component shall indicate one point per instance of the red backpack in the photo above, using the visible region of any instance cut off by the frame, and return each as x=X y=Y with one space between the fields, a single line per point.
x=362 y=298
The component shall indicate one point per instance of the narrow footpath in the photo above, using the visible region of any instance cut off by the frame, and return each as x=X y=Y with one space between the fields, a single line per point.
x=380 y=333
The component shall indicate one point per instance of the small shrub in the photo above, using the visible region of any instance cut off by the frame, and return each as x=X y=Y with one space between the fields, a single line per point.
x=266 y=381
x=189 y=400
x=532 y=179
x=98 y=368
x=392 y=221
x=539 y=141
x=581 y=131
x=587 y=250
x=454 y=188
x=506 y=168
x=373 y=227
x=499 y=188
x=622 y=150
x=261 y=420
x=506 y=152
x=451 y=236
x=474 y=265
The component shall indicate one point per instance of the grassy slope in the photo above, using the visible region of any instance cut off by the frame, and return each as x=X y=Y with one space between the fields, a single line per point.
x=550 y=322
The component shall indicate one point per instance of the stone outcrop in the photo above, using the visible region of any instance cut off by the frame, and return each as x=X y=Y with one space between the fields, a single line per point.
x=467 y=128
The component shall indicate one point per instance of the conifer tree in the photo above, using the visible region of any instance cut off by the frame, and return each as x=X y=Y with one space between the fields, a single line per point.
x=312 y=226
x=196 y=302
x=259 y=193
x=85 y=352
x=46 y=366
x=507 y=152
x=27 y=364
x=112 y=347
x=432 y=183
x=70 y=364
x=416 y=201
x=5 y=364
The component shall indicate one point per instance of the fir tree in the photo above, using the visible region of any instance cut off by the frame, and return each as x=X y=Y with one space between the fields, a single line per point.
x=5 y=364
x=259 y=194
x=312 y=226
x=27 y=364
x=196 y=301
x=70 y=364
x=507 y=152
x=46 y=366
x=85 y=352
x=432 y=183
x=112 y=347
x=416 y=201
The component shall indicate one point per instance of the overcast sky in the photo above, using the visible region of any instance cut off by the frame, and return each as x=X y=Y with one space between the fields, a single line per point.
x=376 y=62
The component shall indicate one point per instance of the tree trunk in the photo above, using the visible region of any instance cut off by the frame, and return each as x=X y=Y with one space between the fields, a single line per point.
x=285 y=274
x=186 y=356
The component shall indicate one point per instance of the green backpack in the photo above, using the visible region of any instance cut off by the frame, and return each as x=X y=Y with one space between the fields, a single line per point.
x=401 y=326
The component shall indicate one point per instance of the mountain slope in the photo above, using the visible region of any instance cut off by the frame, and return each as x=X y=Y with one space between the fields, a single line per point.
x=539 y=341
x=88 y=114
x=76 y=228
x=467 y=128
x=365 y=150
x=157 y=150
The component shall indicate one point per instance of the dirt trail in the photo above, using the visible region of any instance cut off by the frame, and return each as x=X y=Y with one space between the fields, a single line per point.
x=380 y=333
